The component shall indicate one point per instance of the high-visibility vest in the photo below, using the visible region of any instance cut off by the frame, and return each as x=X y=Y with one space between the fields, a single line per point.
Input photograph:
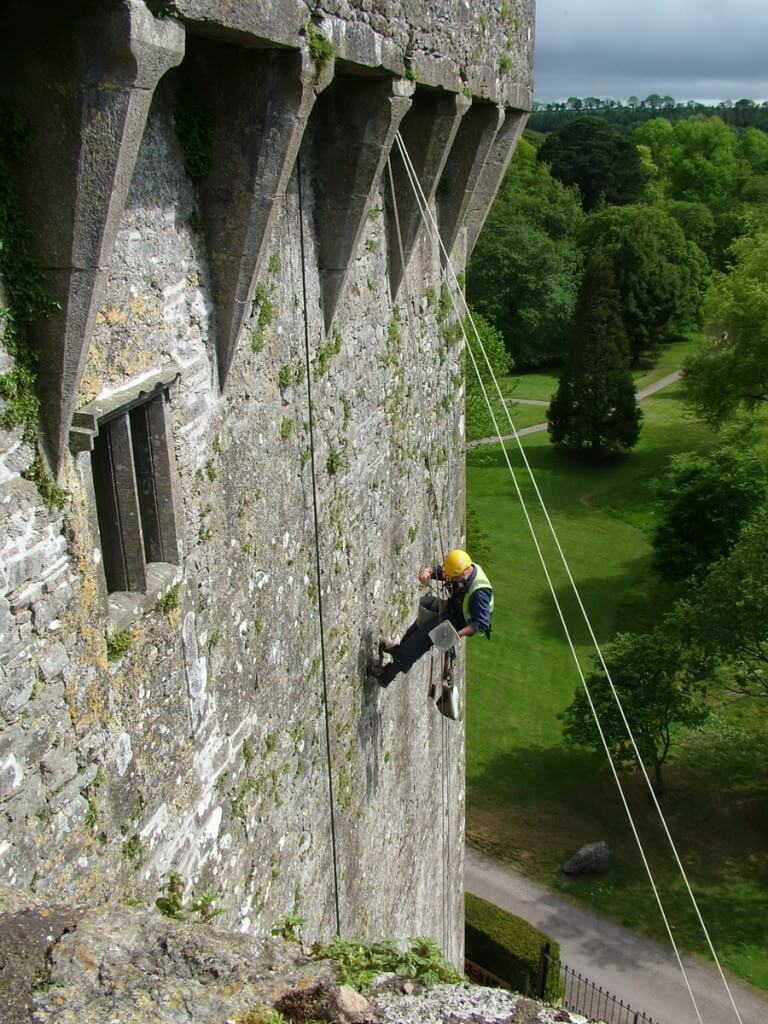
x=480 y=582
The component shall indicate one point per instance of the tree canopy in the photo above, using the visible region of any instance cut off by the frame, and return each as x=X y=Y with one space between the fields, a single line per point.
x=730 y=371
x=661 y=277
x=725 y=621
x=704 y=499
x=594 y=408
x=479 y=421
x=603 y=163
x=647 y=670
x=745 y=114
x=525 y=270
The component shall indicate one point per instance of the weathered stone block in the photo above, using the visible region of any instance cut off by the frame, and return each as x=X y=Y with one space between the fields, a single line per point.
x=25 y=939
x=16 y=689
x=11 y=775
x=44 y=612
x=58 y=765
x=67 y=797
x=53 y=660
x=31 y=563
x=19 y=458
x=25 y=808
x=23 y=598
x=69 y=816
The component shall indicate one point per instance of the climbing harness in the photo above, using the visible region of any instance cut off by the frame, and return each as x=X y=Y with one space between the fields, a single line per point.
x=435 y=235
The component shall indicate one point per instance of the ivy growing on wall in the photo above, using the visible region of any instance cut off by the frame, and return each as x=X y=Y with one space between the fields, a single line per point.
x=26 y=301
x=194 y=130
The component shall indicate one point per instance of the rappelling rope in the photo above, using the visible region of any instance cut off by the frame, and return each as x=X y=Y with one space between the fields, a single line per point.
x=444 y=774
x=434 y=232
x=308 y=375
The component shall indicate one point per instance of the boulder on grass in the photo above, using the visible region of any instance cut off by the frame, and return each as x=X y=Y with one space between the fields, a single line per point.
x=589 y=860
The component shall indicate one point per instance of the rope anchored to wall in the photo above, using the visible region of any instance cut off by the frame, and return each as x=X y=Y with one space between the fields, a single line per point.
x=316 y=521
x=455 y=290
x=445 y=767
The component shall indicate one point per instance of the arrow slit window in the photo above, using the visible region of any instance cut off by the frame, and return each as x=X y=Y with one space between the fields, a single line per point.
x=132 y=472
x=134 y=500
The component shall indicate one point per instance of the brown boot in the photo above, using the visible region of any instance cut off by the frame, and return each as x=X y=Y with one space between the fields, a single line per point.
x=387 y=647
x=383 y=674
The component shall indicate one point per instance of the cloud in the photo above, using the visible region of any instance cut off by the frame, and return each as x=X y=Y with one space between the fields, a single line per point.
x=690 y=49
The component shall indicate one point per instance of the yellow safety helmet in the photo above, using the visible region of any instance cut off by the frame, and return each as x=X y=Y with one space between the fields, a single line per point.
x=456 y=562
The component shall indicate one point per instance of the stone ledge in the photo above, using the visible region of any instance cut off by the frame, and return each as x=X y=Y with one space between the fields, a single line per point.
x=101 y=964
x=124 y=607
x=395 y=38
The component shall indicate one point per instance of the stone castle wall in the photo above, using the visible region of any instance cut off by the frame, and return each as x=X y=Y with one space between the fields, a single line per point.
x=313 y=412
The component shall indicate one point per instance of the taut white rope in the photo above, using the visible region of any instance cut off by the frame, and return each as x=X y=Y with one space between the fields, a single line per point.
x=435 y=234
x=445 y=775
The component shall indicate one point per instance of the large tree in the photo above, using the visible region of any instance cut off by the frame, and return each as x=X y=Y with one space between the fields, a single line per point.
x=729 y=373
x=525 y=270
x=697 y=157
x=479 y=419
x=595 y=409
x=704 y=498
x=661 y=276
x=647 y=670
x=695 y=220
x=705 y=164
x=725 y=621
x=702 y=162
x=604 y=164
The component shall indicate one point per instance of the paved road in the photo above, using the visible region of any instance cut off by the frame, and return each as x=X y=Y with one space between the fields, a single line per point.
x=664 y=382
x=638 y=970
x=538 y=427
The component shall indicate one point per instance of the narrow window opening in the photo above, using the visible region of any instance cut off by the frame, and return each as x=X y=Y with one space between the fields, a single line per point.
x=107 y=506
x=149 y=500
x=131 y=466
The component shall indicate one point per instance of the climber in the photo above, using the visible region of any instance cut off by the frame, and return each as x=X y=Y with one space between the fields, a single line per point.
x=468 y=608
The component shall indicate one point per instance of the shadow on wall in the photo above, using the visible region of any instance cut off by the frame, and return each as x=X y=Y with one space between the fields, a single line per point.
x=369 y=722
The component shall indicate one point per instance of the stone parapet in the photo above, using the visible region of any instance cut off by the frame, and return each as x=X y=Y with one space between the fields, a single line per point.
x=483 y=48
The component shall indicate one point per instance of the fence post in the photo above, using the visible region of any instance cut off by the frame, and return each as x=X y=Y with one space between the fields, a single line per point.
x=541 y=979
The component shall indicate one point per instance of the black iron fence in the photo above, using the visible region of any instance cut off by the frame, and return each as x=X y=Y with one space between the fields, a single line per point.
x=583 y=996
x=575 y=992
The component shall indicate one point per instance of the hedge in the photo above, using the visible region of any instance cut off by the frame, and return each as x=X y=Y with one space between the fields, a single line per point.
x=508 y=946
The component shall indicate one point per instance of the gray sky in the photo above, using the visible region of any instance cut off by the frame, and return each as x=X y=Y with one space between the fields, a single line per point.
x=705 y=50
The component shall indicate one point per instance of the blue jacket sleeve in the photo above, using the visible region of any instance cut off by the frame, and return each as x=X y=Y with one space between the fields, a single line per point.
x=480 y=610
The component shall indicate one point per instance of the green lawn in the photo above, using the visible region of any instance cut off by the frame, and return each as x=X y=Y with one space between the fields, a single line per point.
x=524 y=415
x=532 y=801
x=541 y=387
x=670 y=358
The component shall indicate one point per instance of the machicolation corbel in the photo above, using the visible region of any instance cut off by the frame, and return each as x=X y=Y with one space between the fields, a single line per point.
x=85 y=91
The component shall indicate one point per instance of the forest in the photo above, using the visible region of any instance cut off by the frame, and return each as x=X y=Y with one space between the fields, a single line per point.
x=743 y=113
x=611 y=250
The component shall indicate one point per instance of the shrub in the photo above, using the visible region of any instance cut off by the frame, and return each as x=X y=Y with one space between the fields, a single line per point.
x=507 y=945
